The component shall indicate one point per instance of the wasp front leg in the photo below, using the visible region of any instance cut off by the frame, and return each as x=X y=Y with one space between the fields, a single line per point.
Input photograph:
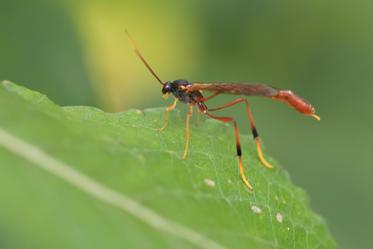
x=166 y=115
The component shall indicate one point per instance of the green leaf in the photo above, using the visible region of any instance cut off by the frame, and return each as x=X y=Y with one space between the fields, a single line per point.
x=77 y=177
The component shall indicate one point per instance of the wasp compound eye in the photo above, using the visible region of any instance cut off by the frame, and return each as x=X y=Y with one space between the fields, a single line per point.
x=166 y=88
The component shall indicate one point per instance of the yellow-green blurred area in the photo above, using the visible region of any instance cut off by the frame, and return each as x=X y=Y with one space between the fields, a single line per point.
x=76 y=52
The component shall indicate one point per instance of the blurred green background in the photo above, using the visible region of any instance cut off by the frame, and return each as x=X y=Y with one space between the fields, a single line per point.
x=76 y=52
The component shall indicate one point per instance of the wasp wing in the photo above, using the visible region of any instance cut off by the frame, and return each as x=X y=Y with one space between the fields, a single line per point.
x=286 y=96
x=236 y=88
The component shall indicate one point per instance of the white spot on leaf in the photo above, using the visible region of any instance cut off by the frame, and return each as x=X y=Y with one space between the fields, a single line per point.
x=279 y=217
x=256 y=209
x=209 y=183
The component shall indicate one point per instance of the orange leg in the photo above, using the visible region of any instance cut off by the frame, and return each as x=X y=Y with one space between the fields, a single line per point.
x=189 y=115
x=238 y=146
x=253 y=128
x=211 y=96
x=166 y=114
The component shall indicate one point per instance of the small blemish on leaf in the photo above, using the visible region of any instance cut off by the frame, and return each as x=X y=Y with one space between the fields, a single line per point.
x=279 y=217
x=139 y=112
x=209 y=183
x=220 y=138
x=256 y=209
x=140 y=157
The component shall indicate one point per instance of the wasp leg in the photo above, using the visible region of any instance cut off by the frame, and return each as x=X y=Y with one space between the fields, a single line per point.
x=238 y=146
x=253 y=128
x=166 y=114
x=204 y=100
x=211 y=96
x=189 y=115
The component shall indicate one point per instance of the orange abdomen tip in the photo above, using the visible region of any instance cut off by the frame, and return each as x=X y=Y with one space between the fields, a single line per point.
x=296 y=102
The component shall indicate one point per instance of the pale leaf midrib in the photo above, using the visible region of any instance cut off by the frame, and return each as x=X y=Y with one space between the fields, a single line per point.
x=101 y=192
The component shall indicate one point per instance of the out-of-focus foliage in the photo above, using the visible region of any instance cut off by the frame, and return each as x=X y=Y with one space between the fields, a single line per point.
x=39 y=46
x=320 y=49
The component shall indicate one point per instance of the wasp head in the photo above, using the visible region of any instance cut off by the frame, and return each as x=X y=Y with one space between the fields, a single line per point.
x=167 y=89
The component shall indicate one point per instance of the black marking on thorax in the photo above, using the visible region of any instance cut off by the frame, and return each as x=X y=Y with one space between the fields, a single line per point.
x=178 y=89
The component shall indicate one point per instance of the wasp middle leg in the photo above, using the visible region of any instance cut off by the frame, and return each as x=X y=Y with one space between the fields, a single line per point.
x=187 y=126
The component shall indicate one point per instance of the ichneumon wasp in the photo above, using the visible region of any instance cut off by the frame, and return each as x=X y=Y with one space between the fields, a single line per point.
x=191 y=93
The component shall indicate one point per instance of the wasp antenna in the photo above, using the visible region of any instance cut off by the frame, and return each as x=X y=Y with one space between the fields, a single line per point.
x=137 y=51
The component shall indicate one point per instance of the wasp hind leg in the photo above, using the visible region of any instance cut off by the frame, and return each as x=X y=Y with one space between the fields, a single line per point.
x=254 y=131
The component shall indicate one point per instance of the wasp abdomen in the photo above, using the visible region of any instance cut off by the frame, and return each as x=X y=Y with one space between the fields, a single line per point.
x=295 y=101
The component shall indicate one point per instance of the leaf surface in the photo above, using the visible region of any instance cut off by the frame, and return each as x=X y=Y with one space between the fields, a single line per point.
x=77 y=177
